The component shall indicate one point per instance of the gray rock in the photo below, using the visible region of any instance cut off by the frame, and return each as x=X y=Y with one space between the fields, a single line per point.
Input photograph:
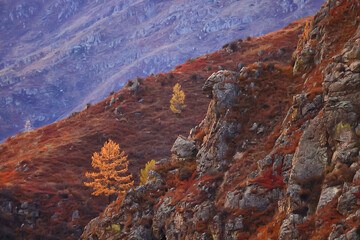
x=327 y=195
x=260 y=53
x=293 y=190
x=352 y=234
x=254 y=200
x=253 y=127
x=240 y=66
x=24 y=205
x=134 y=86
x=203 y=211
x=288 y=230
x=215 y=78
x=153 y=174
x=357 y=176
x=257 y=73
x=310 y=158
x=355 y=67
x=308 y=107
x=232 y=200
x=184 y=148
x=140 y=232
x=233 y=225
x=6 y=207
x=264 y=163
x=224 y=94
x=281 y=51
x=260 y=130
x=337 y=232
x=347 y=201
x=75 y=215
x=163 y=213
x=238 y=223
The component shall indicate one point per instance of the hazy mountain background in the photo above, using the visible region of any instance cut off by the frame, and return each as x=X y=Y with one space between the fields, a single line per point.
x=58 y=55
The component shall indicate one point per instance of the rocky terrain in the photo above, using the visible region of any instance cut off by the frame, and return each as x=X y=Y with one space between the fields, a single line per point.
x=42 y=195
x=276 y=156
x=58 y=55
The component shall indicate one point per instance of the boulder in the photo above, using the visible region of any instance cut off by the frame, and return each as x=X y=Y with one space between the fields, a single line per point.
x=348 y=200
x=184 y=148
x=75 y=215
x=327 y=195
x=355 y=67
x=288 y=230
x=232 y=200
x=140 y=232
x=310 y=158
x=160 y=216
x=353 y=234
x=134 y=86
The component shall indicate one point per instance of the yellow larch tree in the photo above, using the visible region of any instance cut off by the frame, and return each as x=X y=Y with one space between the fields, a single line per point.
x=177 y=100
x=144 y=173
x=112 y=176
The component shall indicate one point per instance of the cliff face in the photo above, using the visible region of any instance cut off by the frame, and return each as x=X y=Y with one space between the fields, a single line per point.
x=56 y=56
x=276 y=157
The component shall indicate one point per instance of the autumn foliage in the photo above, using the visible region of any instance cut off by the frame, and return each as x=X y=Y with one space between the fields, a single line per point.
x=112 y=176
x=144 y=173
x=177 y=100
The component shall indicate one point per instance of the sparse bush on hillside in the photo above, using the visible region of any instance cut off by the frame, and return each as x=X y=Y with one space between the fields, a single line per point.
x=177 y=100
x=233 y=46
x=112 y=176
x=144 y=173
x=225 y=45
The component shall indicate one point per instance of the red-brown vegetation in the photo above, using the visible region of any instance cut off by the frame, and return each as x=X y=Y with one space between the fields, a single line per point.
x=58 y=155
x=270 y=179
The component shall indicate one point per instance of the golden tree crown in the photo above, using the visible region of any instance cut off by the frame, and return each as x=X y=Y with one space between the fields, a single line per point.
x=112 y=176
x=177 y=100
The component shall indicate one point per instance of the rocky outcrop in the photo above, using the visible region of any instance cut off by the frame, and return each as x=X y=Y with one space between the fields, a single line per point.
x=226 y=181
x=223 y=89
x=183 y=148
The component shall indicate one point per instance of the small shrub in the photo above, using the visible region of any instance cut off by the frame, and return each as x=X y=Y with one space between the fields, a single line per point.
x=301 y=210
x=144 y=173
x=233 y=46
x=225 y=46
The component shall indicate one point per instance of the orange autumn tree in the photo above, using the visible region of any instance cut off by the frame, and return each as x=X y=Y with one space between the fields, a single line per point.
x=112 y=176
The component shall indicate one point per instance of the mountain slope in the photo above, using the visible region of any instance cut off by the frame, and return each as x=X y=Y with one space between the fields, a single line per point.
x=276 y=157
x=56 y=56
x=42 y=171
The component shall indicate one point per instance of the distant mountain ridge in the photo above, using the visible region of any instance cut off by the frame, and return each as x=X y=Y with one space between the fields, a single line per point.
x=56 y=56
